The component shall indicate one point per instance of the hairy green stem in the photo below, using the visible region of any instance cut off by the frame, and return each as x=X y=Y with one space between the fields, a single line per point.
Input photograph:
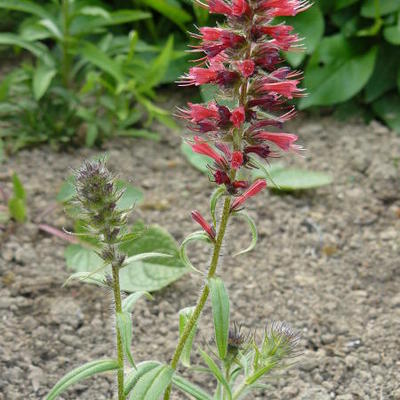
x=120 y=351
x=204 y=294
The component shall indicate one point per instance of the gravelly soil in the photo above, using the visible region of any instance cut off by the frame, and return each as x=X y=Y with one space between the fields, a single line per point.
x=327 y=261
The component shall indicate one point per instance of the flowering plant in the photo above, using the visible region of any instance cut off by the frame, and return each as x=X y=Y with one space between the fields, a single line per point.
x=243 y=58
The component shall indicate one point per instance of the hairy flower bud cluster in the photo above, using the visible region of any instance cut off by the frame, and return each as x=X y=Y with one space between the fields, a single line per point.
x=243 y=57
x=280 y=343
x=97 y=197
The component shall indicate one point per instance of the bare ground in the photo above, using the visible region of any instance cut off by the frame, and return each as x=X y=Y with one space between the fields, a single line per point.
x=327 y=261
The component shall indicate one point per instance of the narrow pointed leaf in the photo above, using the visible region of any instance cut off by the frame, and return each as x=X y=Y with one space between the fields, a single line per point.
x=220 y=310
x=216 y=372
x=129 y=302
x=143 y=256
x=152 y=384
x=134 y=376
x=124 y=325
x=37 y=49
x=190 y=388
x=101 y=60
x=218 y=193
x=42 y=78
x=81 y=373
x=158 y=67
x=25 y=6
x=253 y=229
x=89 y=277
x=198 y=235
x=18 y=187
x=184 y=316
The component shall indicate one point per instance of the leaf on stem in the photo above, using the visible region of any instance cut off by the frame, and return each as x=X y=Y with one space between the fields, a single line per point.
x=253 y=229
x=152 y=383
x=198 y=235
x=129 y=302
x=216 y=372
x=81 y=373
x=184 y=315
x=190 y=388
x=220 y=310
x=124 y=325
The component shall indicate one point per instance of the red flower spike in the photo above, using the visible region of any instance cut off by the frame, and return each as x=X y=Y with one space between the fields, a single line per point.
x=246 y=67
x=237 y=160
x=283 y=140
x=255 y=188
x=201 y=147
x=238 y=116
x=243 y=57
x=197 y=217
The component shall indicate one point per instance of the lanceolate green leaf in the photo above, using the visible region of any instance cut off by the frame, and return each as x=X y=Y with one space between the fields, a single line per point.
x=218 y=193
x=221 y=314
x=124 y=325
x=142 y=369
x=173 y=12
x=336 y=72
x=36 y=49
x=101 y=60
x=152 y=384
x=129 y=302
x=184 y=316
x=253 y=230
x=158 y=67
x=290 y=179
x=198 y=235
x=216 y=372
x=190 y=388
x=153 y=273
x=42 y=78
x=81 y=373
x=18 y=187
x=25 y=6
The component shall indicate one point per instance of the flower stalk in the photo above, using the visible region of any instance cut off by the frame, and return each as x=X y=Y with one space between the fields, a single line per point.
x=205 y=293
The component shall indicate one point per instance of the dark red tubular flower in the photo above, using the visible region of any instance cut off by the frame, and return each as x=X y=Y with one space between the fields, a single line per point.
x=244 y=58
x=204 y=224
x=255 y=188
x=201 y=147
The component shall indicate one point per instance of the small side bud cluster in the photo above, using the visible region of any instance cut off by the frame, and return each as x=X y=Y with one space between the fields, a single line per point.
x=97 y=197
x=279 y=344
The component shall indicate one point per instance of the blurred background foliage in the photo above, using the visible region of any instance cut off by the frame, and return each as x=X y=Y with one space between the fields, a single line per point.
x=76 y=72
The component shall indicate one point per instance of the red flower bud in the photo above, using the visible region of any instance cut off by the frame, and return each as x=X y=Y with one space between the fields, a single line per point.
x=237 y=160
x=204 y=224
x=238 y=116
x=255 y=188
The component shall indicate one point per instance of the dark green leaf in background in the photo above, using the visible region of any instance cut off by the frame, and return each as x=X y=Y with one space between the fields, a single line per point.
x=336 y=72
x=385 y=73
x=385 y=7
x=388 y=109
